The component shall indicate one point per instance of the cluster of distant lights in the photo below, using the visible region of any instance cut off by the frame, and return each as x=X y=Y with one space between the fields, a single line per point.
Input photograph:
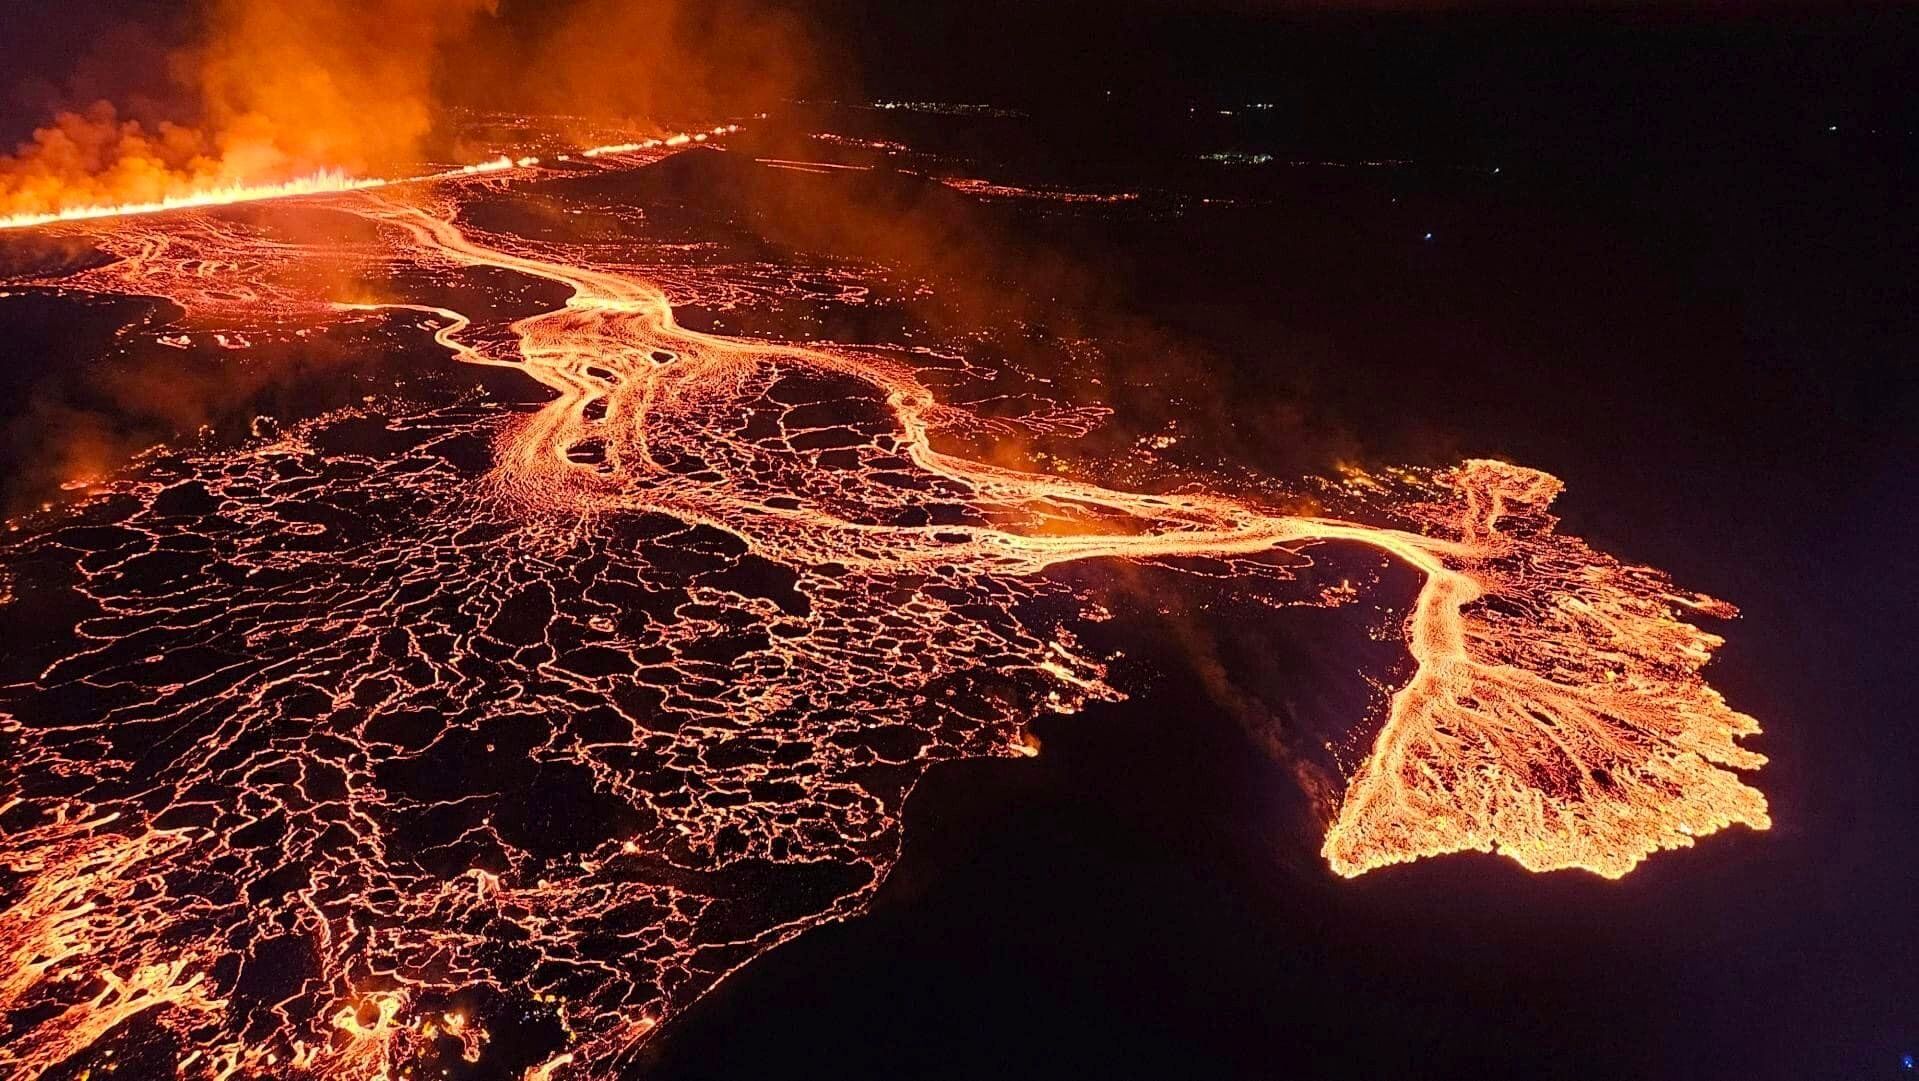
x=1236 y=158
x=1240 y=157
x=946 y=108
x=1251 y=107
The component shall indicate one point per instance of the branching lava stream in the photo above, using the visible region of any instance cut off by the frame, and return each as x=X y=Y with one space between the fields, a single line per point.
x=402 y=729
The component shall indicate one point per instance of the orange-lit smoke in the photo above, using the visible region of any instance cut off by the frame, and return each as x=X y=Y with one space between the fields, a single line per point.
x=644 y=62
x=282 y=89
x=291 y=85
x=285 y=89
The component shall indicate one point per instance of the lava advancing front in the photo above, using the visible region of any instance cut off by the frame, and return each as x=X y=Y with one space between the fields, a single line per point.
x=372 y=743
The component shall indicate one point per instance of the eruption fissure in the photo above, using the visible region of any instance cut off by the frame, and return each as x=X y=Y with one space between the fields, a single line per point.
x=328 y=182
x=413 y=724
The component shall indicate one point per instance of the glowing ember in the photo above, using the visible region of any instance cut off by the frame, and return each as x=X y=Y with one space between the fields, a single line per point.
x=406 y=722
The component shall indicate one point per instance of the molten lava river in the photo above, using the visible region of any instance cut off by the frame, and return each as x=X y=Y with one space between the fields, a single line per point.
x=357 y=749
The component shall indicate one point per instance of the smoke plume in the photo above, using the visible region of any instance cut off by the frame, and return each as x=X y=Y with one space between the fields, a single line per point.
x=279 y=89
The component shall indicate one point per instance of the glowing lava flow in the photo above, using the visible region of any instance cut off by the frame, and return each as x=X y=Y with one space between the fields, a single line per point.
x=422 y=723
x=1575 y=734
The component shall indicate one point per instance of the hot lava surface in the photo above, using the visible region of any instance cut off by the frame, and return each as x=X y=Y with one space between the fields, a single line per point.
x=482 y=726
